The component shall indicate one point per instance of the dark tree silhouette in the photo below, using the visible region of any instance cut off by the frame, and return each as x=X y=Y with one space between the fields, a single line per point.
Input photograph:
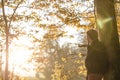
x=107 y=25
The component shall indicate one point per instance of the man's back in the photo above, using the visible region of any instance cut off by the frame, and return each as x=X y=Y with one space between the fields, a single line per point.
x=97 y=60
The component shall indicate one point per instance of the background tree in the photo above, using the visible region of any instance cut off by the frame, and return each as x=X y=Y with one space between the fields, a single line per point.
x=7 y=24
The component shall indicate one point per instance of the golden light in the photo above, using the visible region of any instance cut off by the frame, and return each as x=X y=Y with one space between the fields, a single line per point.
x=18 y=49
x=18 y=57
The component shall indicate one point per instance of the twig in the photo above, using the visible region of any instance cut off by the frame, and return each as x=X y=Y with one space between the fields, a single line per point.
x=14 y=12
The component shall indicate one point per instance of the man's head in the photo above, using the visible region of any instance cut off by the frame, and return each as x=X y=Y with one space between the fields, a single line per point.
x=92 y=34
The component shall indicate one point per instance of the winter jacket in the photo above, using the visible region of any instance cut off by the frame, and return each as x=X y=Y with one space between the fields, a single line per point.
x=96 y=59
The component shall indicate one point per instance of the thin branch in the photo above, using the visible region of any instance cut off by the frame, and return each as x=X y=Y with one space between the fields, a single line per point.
x=14 y=12
x=3 y=11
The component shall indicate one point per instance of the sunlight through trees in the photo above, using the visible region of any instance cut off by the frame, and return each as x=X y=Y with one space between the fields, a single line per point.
x=39 y=38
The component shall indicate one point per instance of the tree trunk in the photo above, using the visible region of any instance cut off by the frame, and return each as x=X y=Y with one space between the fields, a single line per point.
x=107 y=26
x=7 y=40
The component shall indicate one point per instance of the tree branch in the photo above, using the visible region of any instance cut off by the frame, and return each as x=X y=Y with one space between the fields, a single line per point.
x=3 y=11
x=14 y=12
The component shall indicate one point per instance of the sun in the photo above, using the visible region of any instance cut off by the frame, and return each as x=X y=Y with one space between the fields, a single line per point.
x=18 y=57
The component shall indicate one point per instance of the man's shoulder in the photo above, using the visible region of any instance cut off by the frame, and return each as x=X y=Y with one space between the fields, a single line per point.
x=99 y=44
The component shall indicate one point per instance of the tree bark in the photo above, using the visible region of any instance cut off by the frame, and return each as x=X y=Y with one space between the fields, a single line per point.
x=7 y=39
x=107 y=26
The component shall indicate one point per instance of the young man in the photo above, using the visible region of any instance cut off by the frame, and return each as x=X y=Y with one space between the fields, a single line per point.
x=96 y=60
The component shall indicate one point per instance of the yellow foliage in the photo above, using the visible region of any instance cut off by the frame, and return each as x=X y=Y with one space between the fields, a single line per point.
x=81 y=67
x=79 y=55
x=64 y=59
x=64 y=77
x=57 y=72
x=77 y=61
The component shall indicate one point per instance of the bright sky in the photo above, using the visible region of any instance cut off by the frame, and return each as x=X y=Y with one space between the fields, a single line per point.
x=77 y=37
x=19 y=52
x=18 y=57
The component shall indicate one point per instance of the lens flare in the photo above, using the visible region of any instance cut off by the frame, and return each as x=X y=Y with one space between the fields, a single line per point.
x=102 y=22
